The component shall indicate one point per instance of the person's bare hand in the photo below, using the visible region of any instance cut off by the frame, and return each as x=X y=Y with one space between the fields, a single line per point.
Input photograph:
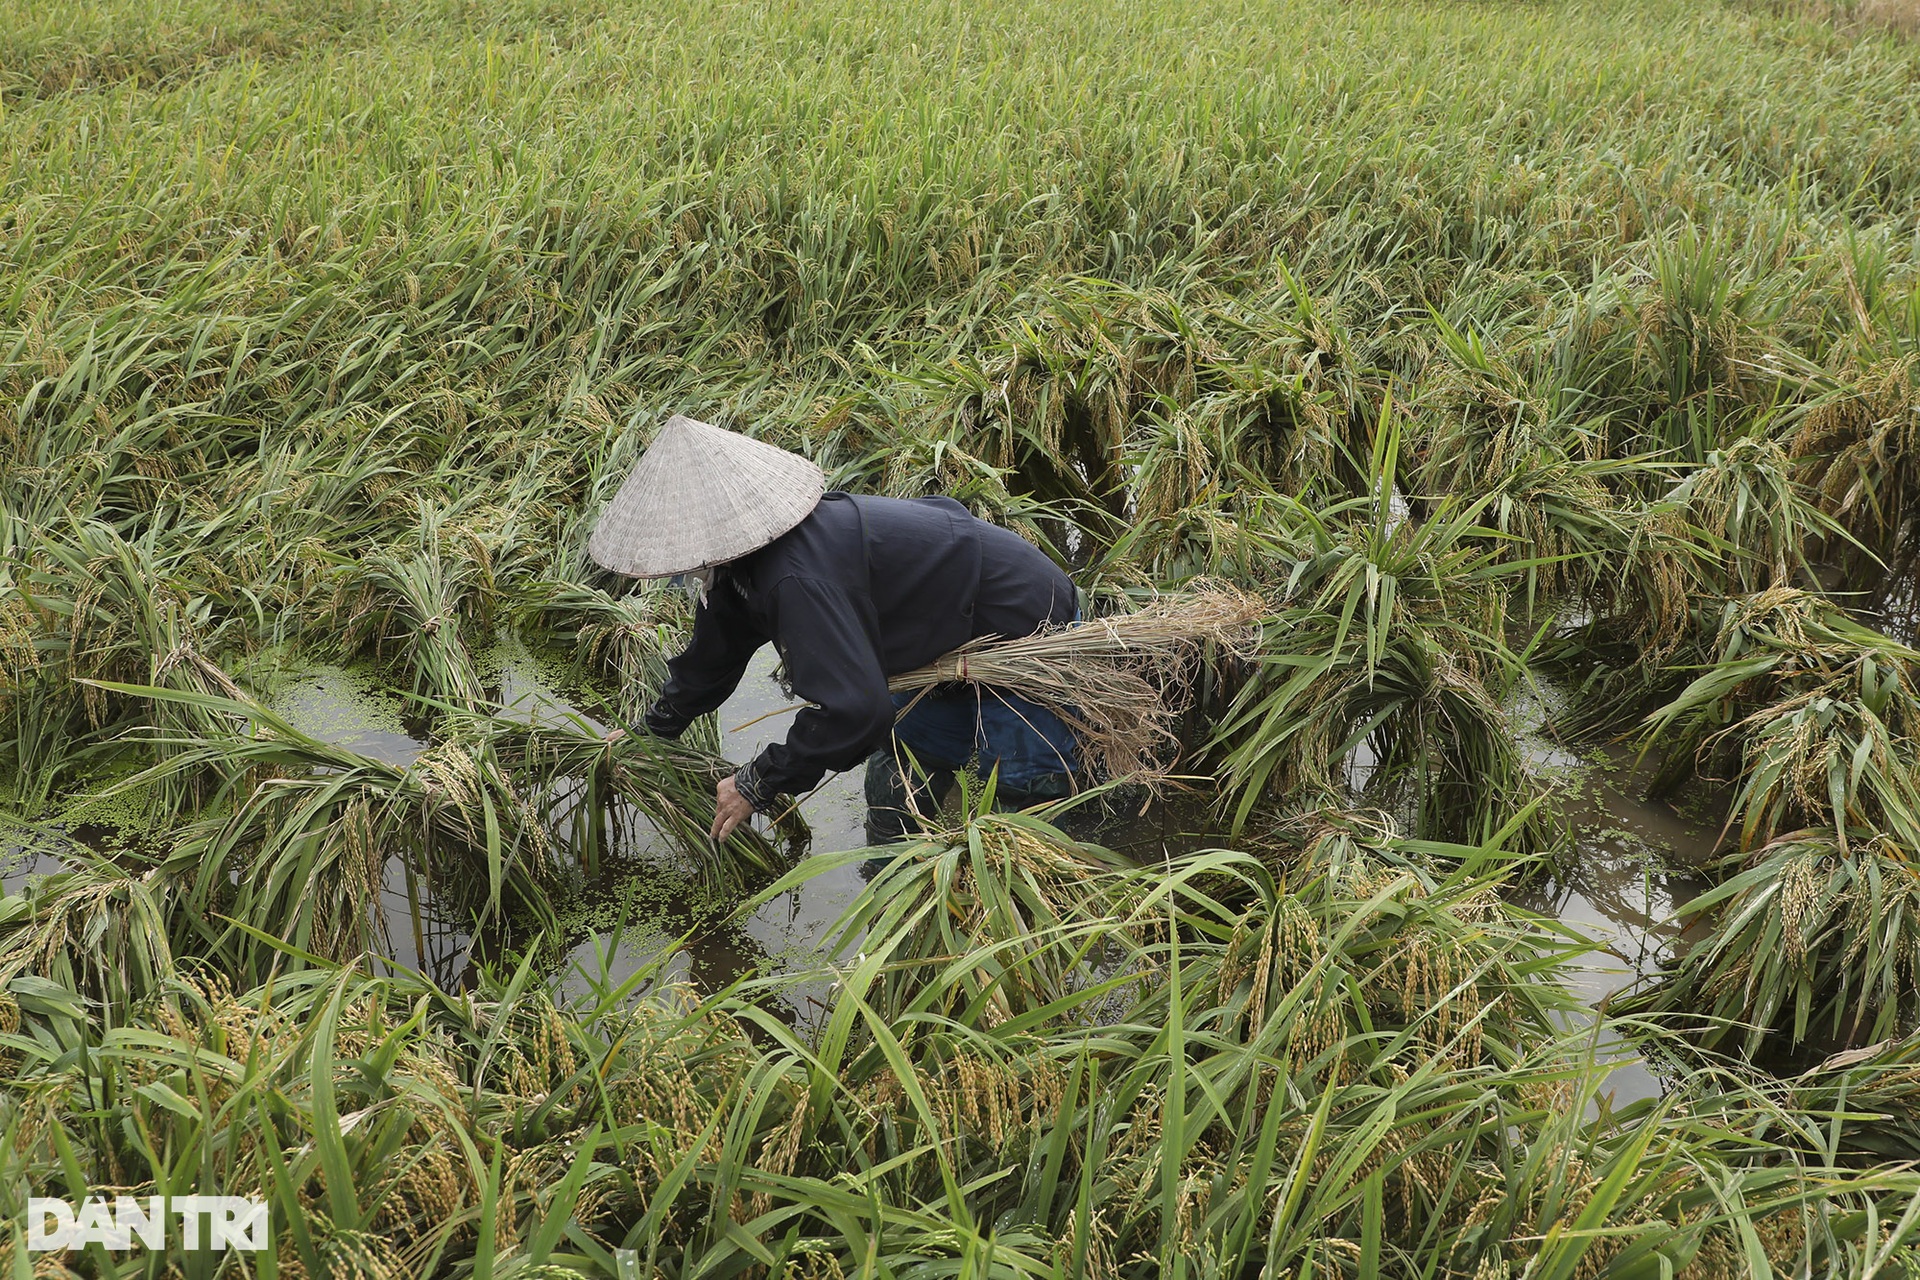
x=730 y=808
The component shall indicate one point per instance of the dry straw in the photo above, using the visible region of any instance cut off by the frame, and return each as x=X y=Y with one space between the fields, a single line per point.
x=1121 y=683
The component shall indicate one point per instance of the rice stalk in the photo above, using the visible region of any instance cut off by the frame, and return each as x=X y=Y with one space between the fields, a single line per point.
x=1814 y=943
x=1121 y=683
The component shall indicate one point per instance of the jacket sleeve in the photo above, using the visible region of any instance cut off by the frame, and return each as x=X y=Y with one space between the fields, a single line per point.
x=828 y=643
x=702 y=677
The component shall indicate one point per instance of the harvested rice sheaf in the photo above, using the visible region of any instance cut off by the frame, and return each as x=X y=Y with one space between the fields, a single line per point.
x=1122 y=683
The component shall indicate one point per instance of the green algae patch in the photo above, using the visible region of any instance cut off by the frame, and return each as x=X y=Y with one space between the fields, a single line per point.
x=350 y=706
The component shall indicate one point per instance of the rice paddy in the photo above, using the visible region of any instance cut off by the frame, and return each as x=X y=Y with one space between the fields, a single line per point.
x=1531 y=893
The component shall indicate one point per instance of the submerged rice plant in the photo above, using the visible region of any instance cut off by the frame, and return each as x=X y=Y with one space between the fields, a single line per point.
x=1386 y=668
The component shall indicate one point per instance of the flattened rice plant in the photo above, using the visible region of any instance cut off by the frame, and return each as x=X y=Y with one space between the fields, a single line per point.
x=1028 y=909
x=1389 y=637
x=1481 y=428
x=1815 y=715
x=1816 y=934
x=1812 y=943
x=298 y=833
x=418 y=605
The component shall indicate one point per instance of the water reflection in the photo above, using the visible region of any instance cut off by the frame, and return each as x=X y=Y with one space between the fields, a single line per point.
x=1633 y=864
x=29 y=849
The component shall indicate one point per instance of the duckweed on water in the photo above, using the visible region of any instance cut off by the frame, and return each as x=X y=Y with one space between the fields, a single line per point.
x=661 y=899
x=339 y=704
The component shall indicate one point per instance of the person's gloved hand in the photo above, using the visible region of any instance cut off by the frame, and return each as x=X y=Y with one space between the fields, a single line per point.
x=661 y=721
x=664 y=720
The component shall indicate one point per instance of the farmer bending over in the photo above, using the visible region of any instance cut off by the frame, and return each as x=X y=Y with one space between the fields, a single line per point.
x=850 y=590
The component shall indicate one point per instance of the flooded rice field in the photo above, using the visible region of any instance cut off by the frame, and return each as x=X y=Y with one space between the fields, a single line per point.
x=1422 y=324
x=1619 y=884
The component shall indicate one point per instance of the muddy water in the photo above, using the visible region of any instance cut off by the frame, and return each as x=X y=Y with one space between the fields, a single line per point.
x=1632 y=861
x=782 y=935
x=1631 y=864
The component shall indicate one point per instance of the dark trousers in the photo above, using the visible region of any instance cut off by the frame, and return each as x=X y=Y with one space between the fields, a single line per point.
x=895 y=805
x=903 y=789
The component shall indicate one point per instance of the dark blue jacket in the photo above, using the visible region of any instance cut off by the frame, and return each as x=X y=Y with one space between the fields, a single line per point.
x=862 y=589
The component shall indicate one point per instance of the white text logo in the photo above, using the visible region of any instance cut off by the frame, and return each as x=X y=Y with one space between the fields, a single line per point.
x=230 y=1222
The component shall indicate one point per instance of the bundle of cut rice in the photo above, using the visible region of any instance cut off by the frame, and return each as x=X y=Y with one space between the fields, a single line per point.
x=1120 y=683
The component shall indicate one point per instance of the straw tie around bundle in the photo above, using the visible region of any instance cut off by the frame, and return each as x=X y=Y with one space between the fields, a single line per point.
x=1121 y=683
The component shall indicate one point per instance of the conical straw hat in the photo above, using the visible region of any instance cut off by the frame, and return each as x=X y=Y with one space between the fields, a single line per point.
x=701 y=495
